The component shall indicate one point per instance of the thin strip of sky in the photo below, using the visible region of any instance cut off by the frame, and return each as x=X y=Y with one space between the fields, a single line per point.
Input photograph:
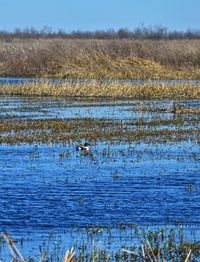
x=99 y=14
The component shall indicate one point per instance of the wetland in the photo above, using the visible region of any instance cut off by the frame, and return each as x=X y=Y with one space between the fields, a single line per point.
x=138 y=182
x=134 y=196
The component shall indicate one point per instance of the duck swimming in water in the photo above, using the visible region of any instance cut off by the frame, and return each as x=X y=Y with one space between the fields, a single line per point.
x=84 y=147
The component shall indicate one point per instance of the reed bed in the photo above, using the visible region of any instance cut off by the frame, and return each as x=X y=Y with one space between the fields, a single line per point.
x=98 y=89
x=90 y=58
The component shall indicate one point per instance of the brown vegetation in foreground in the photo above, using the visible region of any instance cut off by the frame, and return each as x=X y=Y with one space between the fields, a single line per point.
x=153 y=248
x=98 y=89
x=96 y=58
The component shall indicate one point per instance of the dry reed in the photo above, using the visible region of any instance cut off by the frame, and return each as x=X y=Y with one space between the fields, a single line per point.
x=135 y=59
x=99 y=89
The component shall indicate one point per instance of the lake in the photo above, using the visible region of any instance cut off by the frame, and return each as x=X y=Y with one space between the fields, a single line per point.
x=51 y=188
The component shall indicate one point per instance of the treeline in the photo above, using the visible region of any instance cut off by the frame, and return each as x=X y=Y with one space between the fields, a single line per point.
x=142 y=32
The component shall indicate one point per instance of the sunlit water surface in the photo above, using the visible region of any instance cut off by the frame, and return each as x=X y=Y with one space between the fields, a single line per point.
x=43 y=190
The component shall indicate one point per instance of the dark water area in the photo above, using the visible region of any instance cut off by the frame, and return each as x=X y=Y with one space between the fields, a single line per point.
x=46 y=187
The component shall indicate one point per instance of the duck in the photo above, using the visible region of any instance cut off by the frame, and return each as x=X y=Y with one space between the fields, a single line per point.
x=84 y=147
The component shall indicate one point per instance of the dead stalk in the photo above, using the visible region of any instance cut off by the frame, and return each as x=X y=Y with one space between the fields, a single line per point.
x=154 y=257
x=13 y=249
x=188 y=256
x=68 y=255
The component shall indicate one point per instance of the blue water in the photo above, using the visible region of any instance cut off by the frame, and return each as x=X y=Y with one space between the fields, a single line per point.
x=43 y=107
x=46 y=187
x=41 y=190
x=17 y=80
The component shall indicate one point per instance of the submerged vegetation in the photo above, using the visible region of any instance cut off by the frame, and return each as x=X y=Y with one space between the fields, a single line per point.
x=69 y=130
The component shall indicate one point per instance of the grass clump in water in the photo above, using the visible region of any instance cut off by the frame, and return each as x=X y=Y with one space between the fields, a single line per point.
x=99 y=89
x=91 y=129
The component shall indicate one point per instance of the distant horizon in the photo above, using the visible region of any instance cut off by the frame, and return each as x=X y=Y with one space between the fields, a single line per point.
x=54 y=30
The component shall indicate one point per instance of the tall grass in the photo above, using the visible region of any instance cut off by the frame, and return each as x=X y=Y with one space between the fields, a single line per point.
x=90 y=58
x=104 y=89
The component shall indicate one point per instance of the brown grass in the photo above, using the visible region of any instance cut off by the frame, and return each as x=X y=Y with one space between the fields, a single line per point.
x=99 y=89
x=135 y=59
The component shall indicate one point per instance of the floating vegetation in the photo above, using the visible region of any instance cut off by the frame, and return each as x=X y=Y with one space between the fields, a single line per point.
x=69 y=130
